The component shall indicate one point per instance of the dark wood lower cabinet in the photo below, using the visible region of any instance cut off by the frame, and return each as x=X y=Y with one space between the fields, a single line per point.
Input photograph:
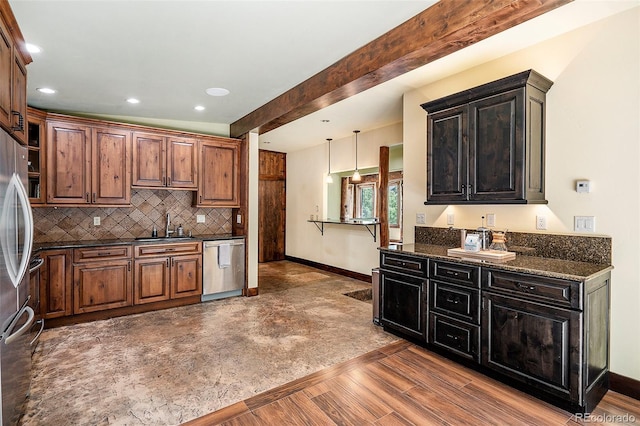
x=537 y=344
x=403 y=303
x=186 y=276
x=547 y=336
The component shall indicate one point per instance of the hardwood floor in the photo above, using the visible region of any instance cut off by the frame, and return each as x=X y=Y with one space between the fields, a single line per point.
x=404 y=384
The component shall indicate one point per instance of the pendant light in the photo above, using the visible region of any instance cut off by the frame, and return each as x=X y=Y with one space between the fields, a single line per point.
x=356 y=175
x=329 y=178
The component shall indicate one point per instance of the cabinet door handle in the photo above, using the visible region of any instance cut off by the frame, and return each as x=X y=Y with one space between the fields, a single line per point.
x=167 y=263
x=164 y=181
x=168 y=180
x=525 y=287
x=20 y=126
x=455 y=300
x=87 y=196
x=94 y=197
x=129 y=266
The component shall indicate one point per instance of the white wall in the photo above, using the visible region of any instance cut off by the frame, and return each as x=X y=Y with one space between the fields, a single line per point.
x=593 y=132
x=344 y=246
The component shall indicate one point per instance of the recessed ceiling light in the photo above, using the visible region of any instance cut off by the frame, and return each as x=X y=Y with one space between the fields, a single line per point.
x=32 y=48
x=46 y=90
x=217 y=91
x=199 y=108
x=133 y=101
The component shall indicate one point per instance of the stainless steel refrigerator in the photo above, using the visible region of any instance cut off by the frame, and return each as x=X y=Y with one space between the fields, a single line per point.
x=16 y=317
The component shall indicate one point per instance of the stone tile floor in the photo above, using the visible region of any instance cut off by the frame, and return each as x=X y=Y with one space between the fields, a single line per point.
x=171 y=366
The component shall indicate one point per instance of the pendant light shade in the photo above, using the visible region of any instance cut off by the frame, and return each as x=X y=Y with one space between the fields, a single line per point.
x=356 y=175
x=329 y=178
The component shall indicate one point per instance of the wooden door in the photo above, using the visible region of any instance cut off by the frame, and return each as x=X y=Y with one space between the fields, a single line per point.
x=149 y=160
x=111 y=180
x=186 y=276
x=55 y=284
x=496 y=147
x=102 y=285
x=68 y=163
x=534 y=343
x=6 y=65
x=19 y=100
x=151 y=280
x=219 y=183
x=182 y=163
x=447 y=155
x=271 y=206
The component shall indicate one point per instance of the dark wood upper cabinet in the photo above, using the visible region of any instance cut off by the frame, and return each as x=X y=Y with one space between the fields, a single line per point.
x=161 y=161
x=486 y=145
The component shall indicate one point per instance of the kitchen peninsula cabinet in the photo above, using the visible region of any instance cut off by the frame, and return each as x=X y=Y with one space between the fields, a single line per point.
x=167 y=271
x=87 y=165
x=164 y=161
x=486 y=145
x=219 y=181
x=101 y=278
x=546 y=332
x=55 y=283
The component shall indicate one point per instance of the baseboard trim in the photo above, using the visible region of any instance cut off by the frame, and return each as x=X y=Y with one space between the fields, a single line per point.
x=333 y=269
x=624 y=385
x=250 y=292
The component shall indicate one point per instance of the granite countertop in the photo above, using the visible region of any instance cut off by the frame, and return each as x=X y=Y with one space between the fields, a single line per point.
x=118 y=241
x=554 y=268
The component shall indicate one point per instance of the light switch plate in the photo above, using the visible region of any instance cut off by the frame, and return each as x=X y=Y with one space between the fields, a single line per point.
x=450 y=218
x=584 y=223
x=491 y=219
x=200 y=218
x=421 y=219
x=96 y=221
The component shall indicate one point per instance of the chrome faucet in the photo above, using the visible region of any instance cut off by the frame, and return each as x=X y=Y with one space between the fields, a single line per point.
x=167 y=232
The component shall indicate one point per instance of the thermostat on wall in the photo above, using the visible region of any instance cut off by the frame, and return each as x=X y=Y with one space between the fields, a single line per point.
x=583 y=186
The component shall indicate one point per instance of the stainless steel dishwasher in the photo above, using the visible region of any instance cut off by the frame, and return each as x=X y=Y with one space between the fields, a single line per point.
x=223 y=269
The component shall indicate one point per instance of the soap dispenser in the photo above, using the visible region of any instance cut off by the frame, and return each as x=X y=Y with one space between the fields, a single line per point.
x=180 y=231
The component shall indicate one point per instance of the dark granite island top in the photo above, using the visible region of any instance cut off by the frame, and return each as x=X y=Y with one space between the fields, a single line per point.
x=548 y=267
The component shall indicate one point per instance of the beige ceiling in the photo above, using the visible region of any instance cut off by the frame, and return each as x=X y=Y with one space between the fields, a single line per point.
x=166 y=53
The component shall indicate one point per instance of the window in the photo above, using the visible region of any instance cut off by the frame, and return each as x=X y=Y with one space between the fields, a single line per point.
x=366 y=200
x=395 y=203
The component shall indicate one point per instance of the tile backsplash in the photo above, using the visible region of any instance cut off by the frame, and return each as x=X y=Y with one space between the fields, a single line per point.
x=149 y=208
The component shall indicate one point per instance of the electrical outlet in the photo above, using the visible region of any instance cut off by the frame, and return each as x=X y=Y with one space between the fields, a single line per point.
x=239 y=219
x=200 y=218
x=541 y=222
x=450 y=218
x=491 y=219
x=96 y=221
x=421 y=219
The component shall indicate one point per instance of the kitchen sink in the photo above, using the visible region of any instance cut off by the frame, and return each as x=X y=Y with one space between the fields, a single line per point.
x=163 y=239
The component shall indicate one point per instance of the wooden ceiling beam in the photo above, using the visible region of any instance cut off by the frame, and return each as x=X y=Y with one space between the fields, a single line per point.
x=444 y=28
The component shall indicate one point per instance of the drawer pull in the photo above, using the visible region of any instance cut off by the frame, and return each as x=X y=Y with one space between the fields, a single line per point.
x=451 y=336
x=108 y=253
x=525 y=287
x=455 y=300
